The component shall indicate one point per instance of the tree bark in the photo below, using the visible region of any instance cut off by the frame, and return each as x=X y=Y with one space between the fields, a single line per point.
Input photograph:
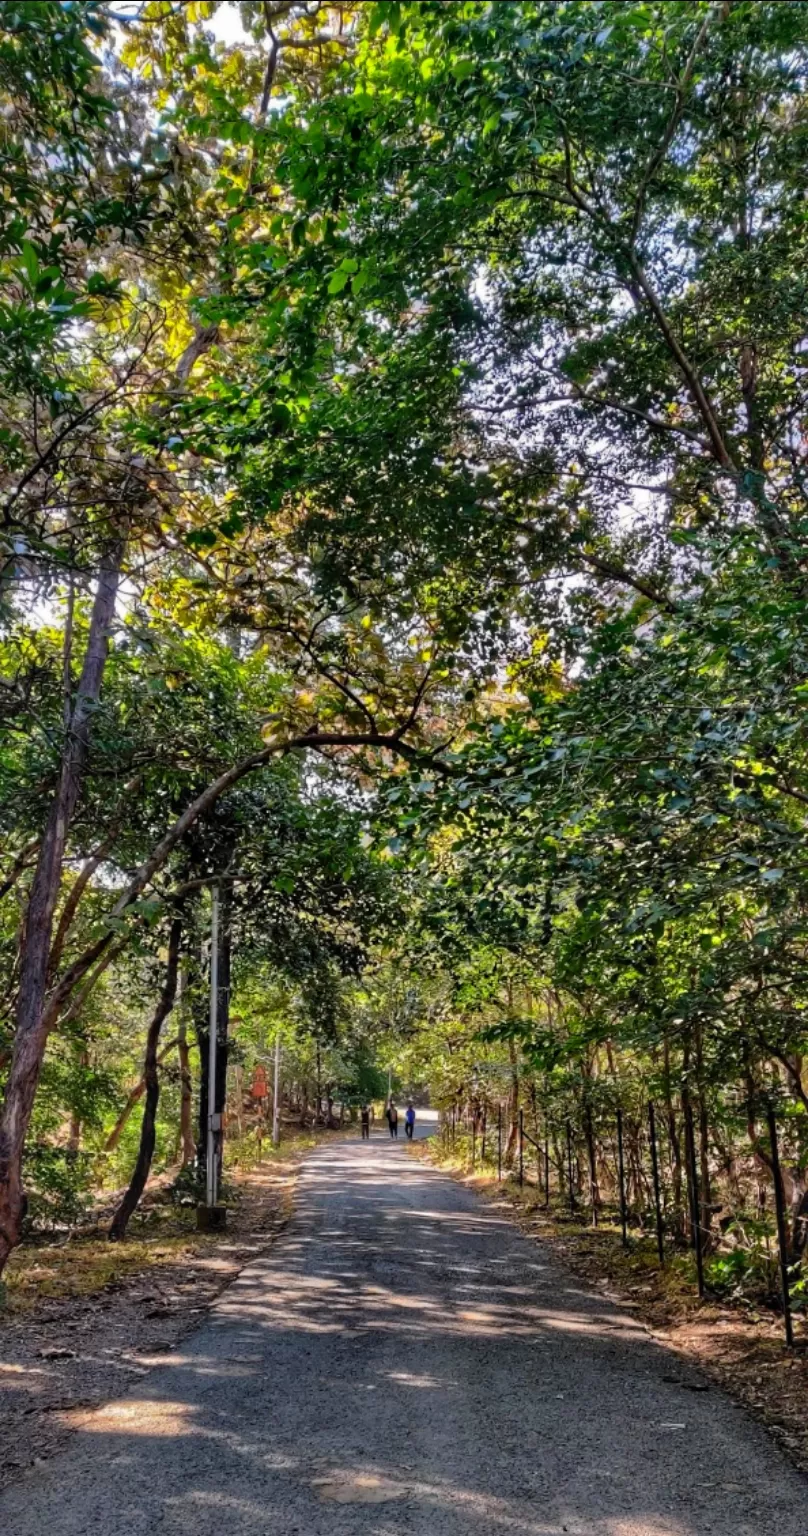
x=32 y=1022
x=142 y=1168
x=83 y=879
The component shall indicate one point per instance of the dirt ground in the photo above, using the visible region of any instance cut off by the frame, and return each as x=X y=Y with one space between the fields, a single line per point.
x=82 y=1320
x=740 y=1347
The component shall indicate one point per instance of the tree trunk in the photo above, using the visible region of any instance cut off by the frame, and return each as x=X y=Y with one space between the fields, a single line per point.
x=142 y=1168
x=33 y=1019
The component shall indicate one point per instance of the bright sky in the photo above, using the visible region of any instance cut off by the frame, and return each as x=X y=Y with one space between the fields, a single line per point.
x=226 y=24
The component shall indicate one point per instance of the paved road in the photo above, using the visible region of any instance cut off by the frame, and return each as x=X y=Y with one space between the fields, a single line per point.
x=404 y=1363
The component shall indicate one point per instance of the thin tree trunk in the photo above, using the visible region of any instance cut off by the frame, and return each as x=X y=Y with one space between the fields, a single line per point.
x=135 y=1096
x=142 y=1168
x=33 y=1019
x=84 y=877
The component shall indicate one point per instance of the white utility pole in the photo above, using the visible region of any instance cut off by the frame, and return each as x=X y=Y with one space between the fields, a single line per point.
x=214 y=1120
x=276 y=1103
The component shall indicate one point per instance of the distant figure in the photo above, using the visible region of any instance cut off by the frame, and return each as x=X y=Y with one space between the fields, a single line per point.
x=409 y=1120
x=366 y=1113
x=392 y=1118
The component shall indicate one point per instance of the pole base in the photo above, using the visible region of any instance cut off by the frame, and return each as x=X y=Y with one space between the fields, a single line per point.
x=211 y=1218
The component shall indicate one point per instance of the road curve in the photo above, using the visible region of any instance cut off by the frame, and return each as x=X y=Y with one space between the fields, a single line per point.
x=403 y=1361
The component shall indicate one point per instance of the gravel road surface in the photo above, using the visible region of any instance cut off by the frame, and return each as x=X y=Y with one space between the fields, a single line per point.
x=403 y=1361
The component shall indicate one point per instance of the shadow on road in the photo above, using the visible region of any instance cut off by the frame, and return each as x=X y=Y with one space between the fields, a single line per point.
x=403 y=1360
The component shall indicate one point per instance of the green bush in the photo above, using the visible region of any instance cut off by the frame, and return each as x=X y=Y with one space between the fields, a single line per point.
x=749 y=1268
x=58 y=1183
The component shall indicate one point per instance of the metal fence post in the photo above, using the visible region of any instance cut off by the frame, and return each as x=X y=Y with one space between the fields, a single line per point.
x=521 y=1148
x=660 y=1237
x=546 y=1164
x=621 y=1177
x=499 y=1144
x=782 y=1237
x=569 y=1166
x=473 y=1140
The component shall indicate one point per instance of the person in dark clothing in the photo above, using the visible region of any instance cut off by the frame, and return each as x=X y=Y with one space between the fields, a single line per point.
x=409 y=1120
x=392 y=1118
x=366 y=1122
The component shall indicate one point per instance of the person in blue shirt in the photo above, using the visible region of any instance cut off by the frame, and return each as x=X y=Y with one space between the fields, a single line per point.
x=409 y=1120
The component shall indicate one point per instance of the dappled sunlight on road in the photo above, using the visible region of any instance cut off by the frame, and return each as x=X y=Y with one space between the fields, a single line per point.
x=403 y=1360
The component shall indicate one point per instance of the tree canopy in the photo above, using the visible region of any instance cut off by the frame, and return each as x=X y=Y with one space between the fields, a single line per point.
x=402 y=454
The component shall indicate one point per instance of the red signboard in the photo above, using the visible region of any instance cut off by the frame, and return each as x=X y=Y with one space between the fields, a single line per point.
x=259 y=1089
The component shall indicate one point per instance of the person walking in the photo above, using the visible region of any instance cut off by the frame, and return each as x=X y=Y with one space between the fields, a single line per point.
x=392 y=1119
x=409 y=1120
x=365 y=1116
